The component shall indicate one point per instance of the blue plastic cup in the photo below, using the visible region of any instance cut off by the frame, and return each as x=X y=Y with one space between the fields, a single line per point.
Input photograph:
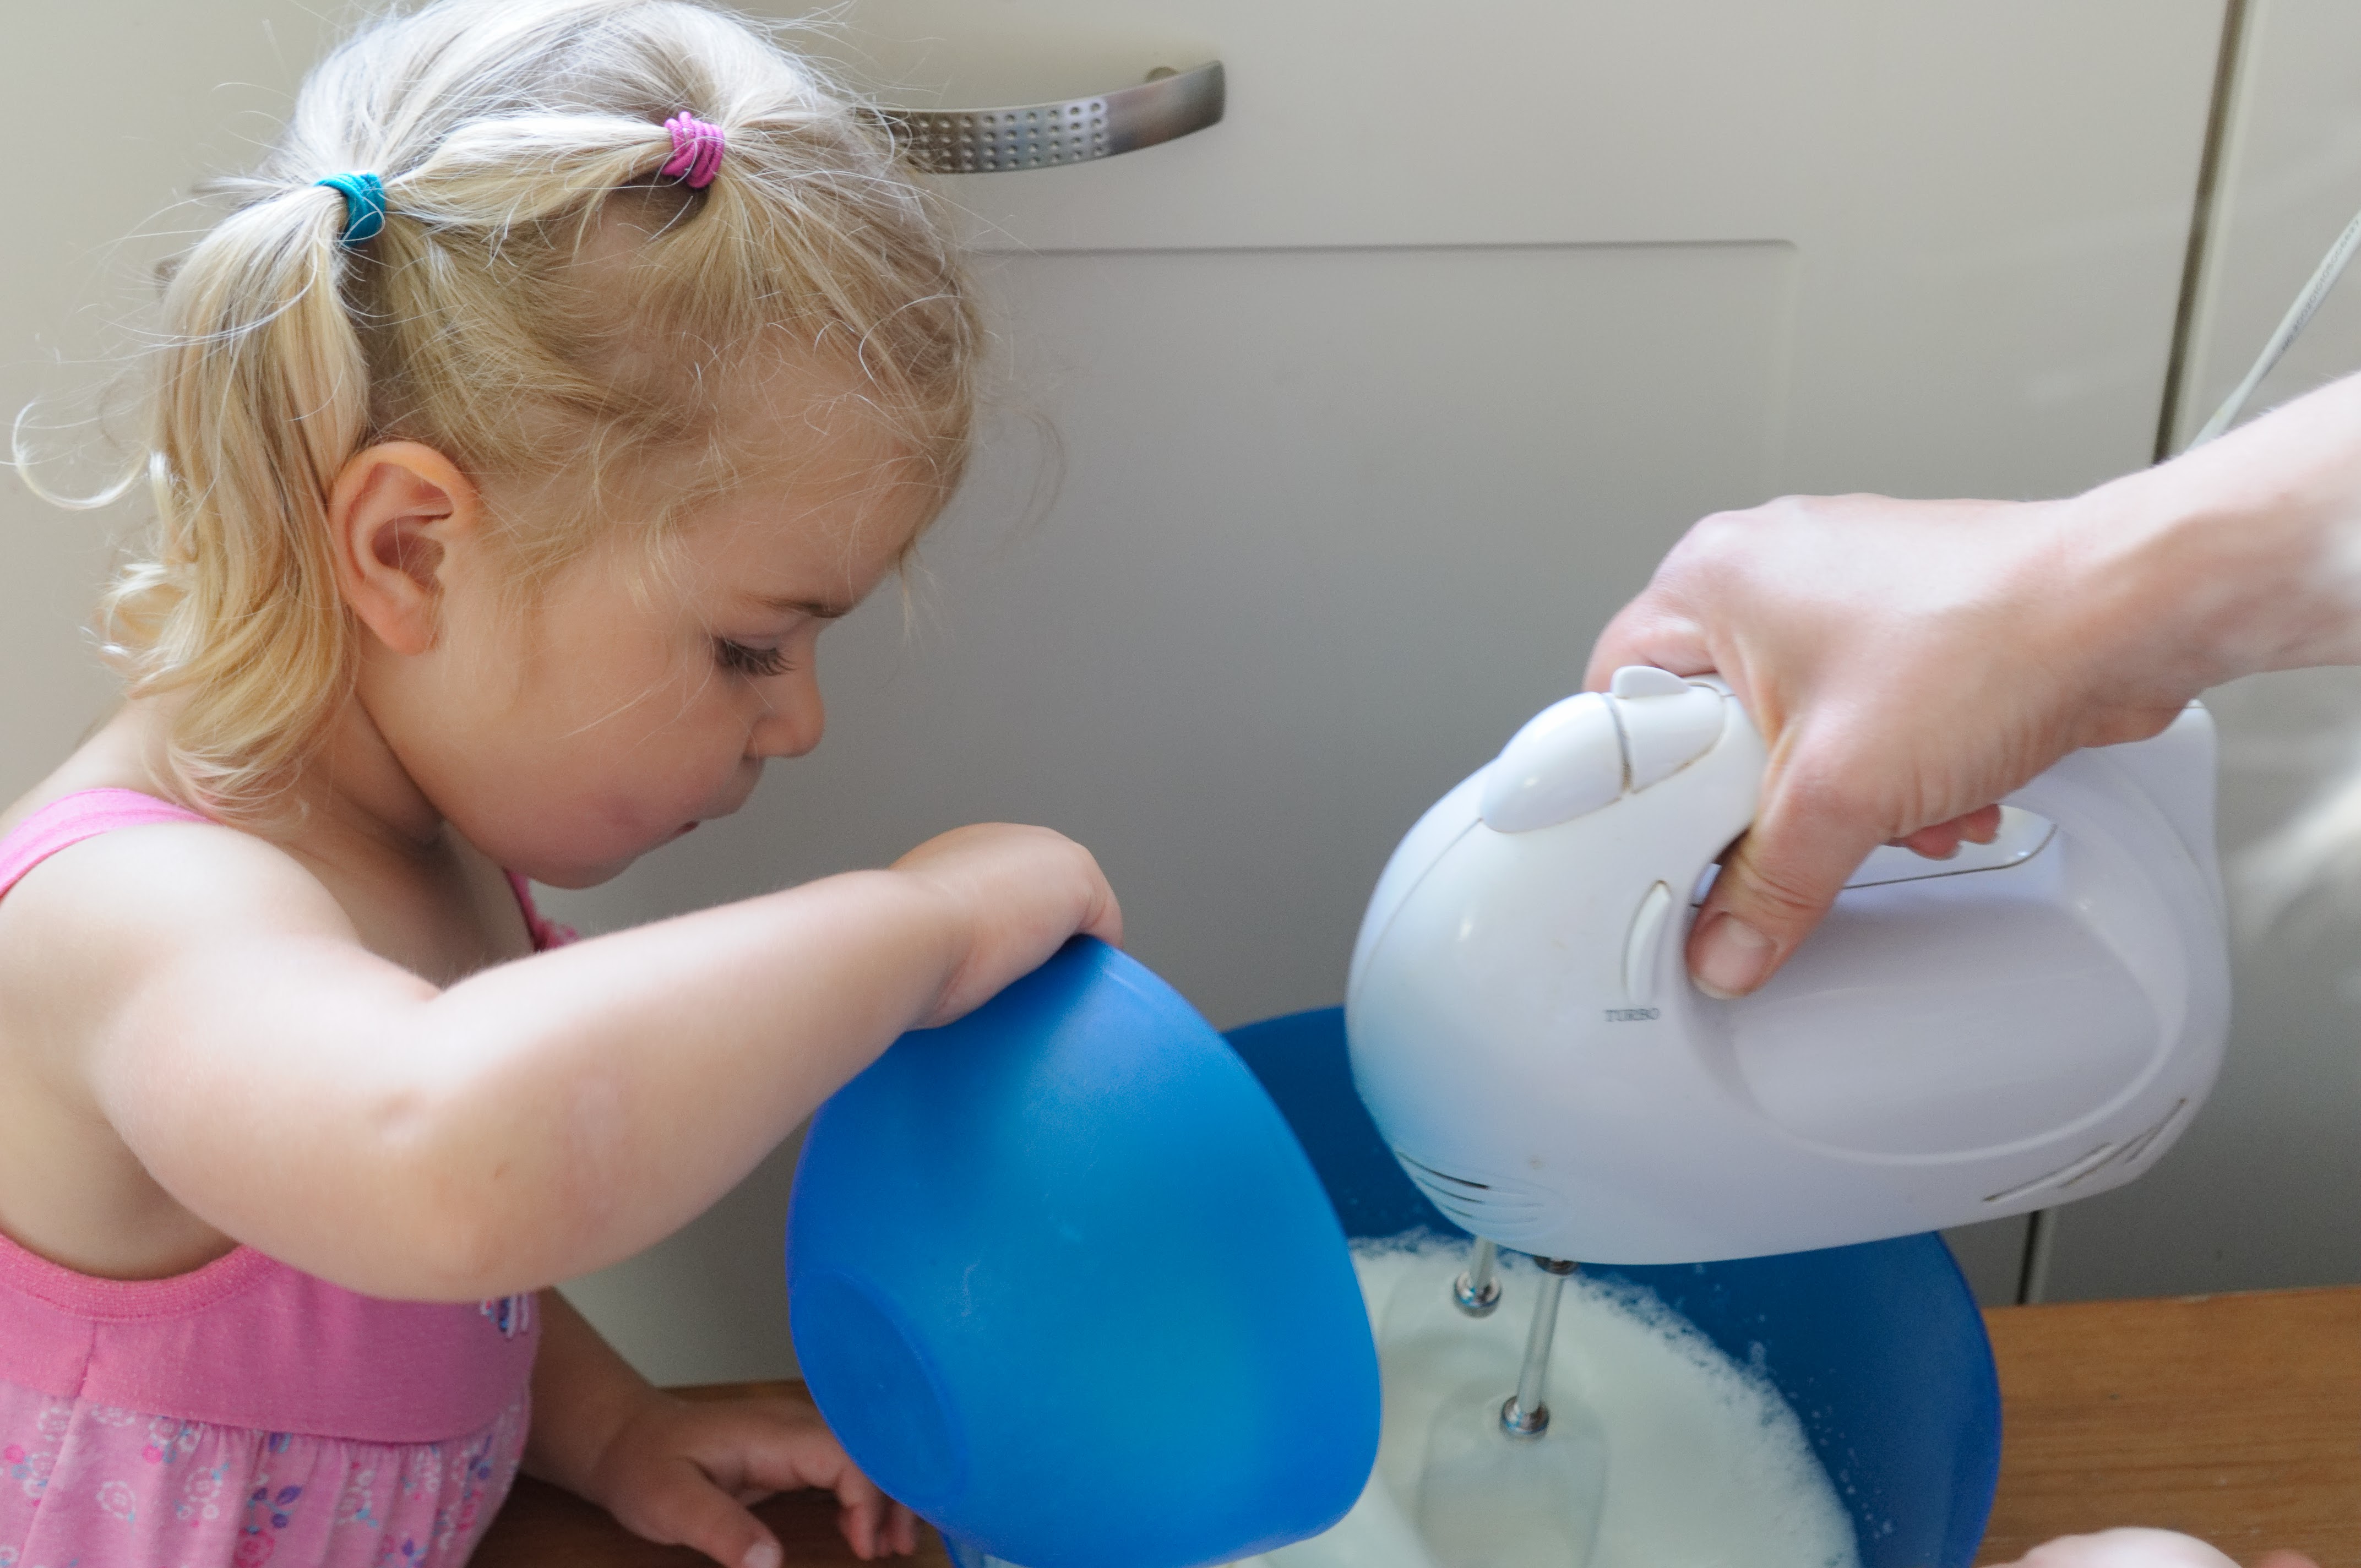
x=1062 y=1280
x=1879 y=1348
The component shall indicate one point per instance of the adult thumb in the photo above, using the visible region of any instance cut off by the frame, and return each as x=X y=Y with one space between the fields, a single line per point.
x=1776 y=883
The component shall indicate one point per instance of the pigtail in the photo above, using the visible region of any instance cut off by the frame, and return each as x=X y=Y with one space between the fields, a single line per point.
x=260 y=394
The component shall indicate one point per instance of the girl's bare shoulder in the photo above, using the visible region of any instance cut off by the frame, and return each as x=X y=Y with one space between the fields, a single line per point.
x=112 y=895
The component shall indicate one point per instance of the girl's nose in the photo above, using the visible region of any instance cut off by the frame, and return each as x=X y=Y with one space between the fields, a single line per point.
x=795 y=718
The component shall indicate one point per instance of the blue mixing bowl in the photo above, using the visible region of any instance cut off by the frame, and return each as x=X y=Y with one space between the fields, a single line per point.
x=1061 y=1280
x=1878 y=1348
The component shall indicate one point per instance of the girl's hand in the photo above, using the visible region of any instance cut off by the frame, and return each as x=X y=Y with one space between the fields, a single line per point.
x=2142 y=1549
x=684 y=1473
x=1015 y=894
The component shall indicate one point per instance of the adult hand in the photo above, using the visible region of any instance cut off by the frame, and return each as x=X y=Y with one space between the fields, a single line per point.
x=1910 y=662
x=1907 y=662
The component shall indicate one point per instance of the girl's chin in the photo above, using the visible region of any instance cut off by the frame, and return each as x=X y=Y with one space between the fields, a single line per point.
x=596 y=873
x=578 y=876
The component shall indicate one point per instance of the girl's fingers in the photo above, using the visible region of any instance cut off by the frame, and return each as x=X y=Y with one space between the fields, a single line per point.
x=902 y=1528
x=686 y=1508
x=865 y=1515
x=878 y=1526
x=859 y=1523
x=788 y=1452
x=719 y=1459
x=1104 y=919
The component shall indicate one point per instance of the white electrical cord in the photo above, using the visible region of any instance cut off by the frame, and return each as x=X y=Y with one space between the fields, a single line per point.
x=2323 y=279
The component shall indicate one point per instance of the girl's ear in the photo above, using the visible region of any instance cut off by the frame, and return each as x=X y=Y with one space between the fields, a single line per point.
x=398 y=511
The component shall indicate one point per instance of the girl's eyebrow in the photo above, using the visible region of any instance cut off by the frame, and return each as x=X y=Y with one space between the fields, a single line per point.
x=819 y=609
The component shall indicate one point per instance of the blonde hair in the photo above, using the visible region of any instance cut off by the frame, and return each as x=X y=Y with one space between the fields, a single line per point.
x=503 y=129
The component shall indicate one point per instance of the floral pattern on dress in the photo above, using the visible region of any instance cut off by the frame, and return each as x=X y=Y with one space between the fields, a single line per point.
x=201 y=1499
x=117 y=1499
x=106 y=1486
x=30 y=1463
x=353 y=1504
x=169 y=1441
x=511 y=1315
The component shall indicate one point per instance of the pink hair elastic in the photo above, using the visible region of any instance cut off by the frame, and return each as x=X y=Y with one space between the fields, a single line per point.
x=696 y=149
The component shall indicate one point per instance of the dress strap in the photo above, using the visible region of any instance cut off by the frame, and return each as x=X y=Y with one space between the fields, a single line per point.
x=85 y=814
x=71 y=818
x=547 y=933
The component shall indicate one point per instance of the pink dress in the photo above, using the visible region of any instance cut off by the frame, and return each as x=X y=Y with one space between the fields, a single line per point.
x=245 y=1413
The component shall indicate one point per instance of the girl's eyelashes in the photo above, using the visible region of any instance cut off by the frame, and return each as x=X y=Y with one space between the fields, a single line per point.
x=741 y=659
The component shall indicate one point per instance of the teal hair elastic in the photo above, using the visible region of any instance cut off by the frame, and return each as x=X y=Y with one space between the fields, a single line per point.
x=364 y=206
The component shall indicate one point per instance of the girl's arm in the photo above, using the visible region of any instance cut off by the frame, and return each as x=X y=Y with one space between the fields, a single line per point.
x=531 y=1123
x=682 y=1473
x=1910 y=662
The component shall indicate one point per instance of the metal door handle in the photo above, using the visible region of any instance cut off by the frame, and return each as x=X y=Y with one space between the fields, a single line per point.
x=1033 y=136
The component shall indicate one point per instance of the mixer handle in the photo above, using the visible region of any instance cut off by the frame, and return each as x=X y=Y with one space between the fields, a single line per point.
x=2163 y=783
x=2151 y=800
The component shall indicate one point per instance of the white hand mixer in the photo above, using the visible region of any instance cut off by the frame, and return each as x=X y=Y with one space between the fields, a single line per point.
x=2032 y=1021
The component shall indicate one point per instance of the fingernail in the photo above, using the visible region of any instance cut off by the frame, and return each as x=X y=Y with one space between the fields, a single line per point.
x=1731 y=958
x=762 y=1554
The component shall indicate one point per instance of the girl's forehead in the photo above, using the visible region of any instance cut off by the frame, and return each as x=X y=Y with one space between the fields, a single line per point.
x=817 y=532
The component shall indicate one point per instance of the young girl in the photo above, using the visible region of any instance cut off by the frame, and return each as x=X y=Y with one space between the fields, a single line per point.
x=567 y=368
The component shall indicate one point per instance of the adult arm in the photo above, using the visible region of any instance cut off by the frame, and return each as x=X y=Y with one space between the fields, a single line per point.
x=1910 y=662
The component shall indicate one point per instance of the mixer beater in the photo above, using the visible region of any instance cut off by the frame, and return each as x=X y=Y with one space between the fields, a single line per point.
x=1504 y=1486
x=1526 y=1414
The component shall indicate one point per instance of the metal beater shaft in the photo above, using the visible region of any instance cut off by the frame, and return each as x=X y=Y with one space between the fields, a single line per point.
x=1526 y=1414
x=1477 y=1292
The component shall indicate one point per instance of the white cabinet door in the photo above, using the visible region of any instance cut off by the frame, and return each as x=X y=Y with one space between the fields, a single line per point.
x=1324 y=440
